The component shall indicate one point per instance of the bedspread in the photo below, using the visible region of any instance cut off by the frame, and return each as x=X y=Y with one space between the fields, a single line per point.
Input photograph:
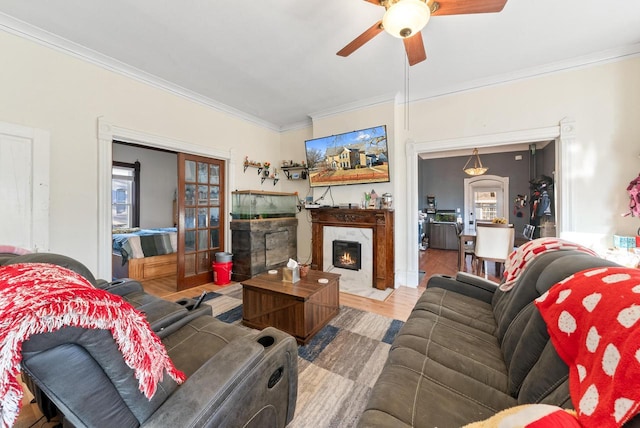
x=140 y=243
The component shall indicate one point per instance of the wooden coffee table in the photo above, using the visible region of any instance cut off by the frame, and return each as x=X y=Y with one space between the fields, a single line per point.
x=301 y=308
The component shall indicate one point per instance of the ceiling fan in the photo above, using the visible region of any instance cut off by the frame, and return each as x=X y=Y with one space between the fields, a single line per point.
x=405 y=18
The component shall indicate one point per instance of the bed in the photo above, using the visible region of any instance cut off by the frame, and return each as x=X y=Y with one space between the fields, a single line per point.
x=144 y=253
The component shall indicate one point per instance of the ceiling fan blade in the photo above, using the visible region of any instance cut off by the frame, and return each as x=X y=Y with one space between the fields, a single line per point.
x=363 y=38
x=377 y=2
x=460 y=7
x=415 y=48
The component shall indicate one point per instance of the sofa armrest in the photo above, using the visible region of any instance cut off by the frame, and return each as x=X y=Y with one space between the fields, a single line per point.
x=477 y=281
x=196 y=401
x=467 y=284
x=122 y=287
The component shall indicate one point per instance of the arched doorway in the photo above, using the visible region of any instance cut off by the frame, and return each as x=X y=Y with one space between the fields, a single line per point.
x=485 y=198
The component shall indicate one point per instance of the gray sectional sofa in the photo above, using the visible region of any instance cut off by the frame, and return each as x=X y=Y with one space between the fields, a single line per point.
x=469 y=350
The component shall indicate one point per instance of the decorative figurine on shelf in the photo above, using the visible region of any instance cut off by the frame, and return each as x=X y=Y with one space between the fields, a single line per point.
x=266 y=172
x=373 y=200
x=248 y=162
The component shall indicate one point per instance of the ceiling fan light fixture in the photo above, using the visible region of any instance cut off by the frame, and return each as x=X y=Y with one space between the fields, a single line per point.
x=405 y=18
x=477 y=168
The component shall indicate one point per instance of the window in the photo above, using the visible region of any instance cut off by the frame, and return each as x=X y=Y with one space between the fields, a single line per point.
x=125 y=195
x=486 y=205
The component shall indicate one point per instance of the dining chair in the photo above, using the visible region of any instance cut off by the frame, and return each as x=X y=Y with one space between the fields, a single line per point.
x=494 y=242
x=469 y=248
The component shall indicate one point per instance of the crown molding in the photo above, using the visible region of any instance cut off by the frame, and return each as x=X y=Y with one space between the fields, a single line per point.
x=357 y=105
x=22 y=29
x=585 y=61
x=297 y=125
x=27 y=31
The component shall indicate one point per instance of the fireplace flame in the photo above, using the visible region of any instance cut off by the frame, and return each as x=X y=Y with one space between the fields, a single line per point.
x=346 y=259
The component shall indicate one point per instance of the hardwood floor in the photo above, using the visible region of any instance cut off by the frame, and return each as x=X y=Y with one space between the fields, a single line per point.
x=398 y=305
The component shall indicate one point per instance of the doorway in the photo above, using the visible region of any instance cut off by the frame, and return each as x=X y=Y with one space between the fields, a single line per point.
x=107 y=133
x=564 y=134
x=485 y=198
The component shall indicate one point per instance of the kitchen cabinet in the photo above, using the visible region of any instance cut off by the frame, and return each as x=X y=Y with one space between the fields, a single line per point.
x=443 y=235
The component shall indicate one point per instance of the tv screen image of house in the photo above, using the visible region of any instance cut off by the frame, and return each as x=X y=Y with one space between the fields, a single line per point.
x=356 y=157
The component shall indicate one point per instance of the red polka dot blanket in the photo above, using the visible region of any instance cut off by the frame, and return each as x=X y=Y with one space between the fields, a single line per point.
x=524 y=254
x=593 y=321
x=39 y=298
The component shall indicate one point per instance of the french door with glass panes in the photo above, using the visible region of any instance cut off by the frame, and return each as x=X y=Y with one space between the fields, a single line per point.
x=201 y=223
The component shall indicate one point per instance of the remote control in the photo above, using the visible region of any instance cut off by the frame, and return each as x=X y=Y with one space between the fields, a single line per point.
x=199 y=301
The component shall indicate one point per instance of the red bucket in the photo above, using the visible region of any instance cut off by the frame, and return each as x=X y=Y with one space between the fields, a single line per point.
x=222 y=273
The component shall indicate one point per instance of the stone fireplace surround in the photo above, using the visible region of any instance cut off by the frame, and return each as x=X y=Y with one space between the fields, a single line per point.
x=378 y=223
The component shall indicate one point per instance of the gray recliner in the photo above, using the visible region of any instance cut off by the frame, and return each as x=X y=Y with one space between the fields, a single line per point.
x=235 y=376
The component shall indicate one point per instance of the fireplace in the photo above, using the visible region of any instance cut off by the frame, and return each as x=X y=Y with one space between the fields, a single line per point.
x=372 y=228
x=347 y=254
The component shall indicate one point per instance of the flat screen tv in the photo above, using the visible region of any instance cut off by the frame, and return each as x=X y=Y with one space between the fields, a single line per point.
x=357 y=157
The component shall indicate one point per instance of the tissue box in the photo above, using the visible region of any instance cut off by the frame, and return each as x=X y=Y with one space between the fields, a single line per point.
x=291 y=275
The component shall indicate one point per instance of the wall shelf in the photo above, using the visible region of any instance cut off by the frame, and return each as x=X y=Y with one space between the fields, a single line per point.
x=275 y=180
x=261 y=172
x=287 y=171
x=248 y=165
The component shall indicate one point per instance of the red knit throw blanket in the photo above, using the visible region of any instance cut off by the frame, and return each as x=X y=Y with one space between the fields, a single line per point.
x=524 y=254
x=40 y=298
x=593 y=319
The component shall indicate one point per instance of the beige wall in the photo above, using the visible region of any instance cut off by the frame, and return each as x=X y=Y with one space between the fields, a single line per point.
x=604 y=100
x=158 y=182
x=44 y=88
x=292 y=148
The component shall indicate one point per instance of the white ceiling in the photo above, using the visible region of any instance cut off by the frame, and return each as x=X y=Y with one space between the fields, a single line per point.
x=274 y=61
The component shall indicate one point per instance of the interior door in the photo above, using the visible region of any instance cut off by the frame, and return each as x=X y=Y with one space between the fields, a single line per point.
x=24 y=187
x=201 y=222
x=485 y=198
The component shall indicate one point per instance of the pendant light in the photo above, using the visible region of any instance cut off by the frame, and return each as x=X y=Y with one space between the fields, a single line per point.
x=477 y=168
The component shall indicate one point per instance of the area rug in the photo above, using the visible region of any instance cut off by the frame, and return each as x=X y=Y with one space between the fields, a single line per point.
x=336 y=369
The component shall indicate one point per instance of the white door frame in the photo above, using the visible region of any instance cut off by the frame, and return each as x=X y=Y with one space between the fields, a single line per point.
x=564 y=135
x=482 y=182
x=107 y=132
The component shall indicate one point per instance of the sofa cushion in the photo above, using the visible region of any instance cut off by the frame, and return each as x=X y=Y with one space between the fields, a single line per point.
x=507 y=305
x=527 y=336
x=207 y=334
x=458 y=347
x=547 y=381
x=436 y=397
x=458 y=307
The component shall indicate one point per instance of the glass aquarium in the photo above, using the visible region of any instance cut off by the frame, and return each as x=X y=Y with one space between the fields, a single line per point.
x=255 y=204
